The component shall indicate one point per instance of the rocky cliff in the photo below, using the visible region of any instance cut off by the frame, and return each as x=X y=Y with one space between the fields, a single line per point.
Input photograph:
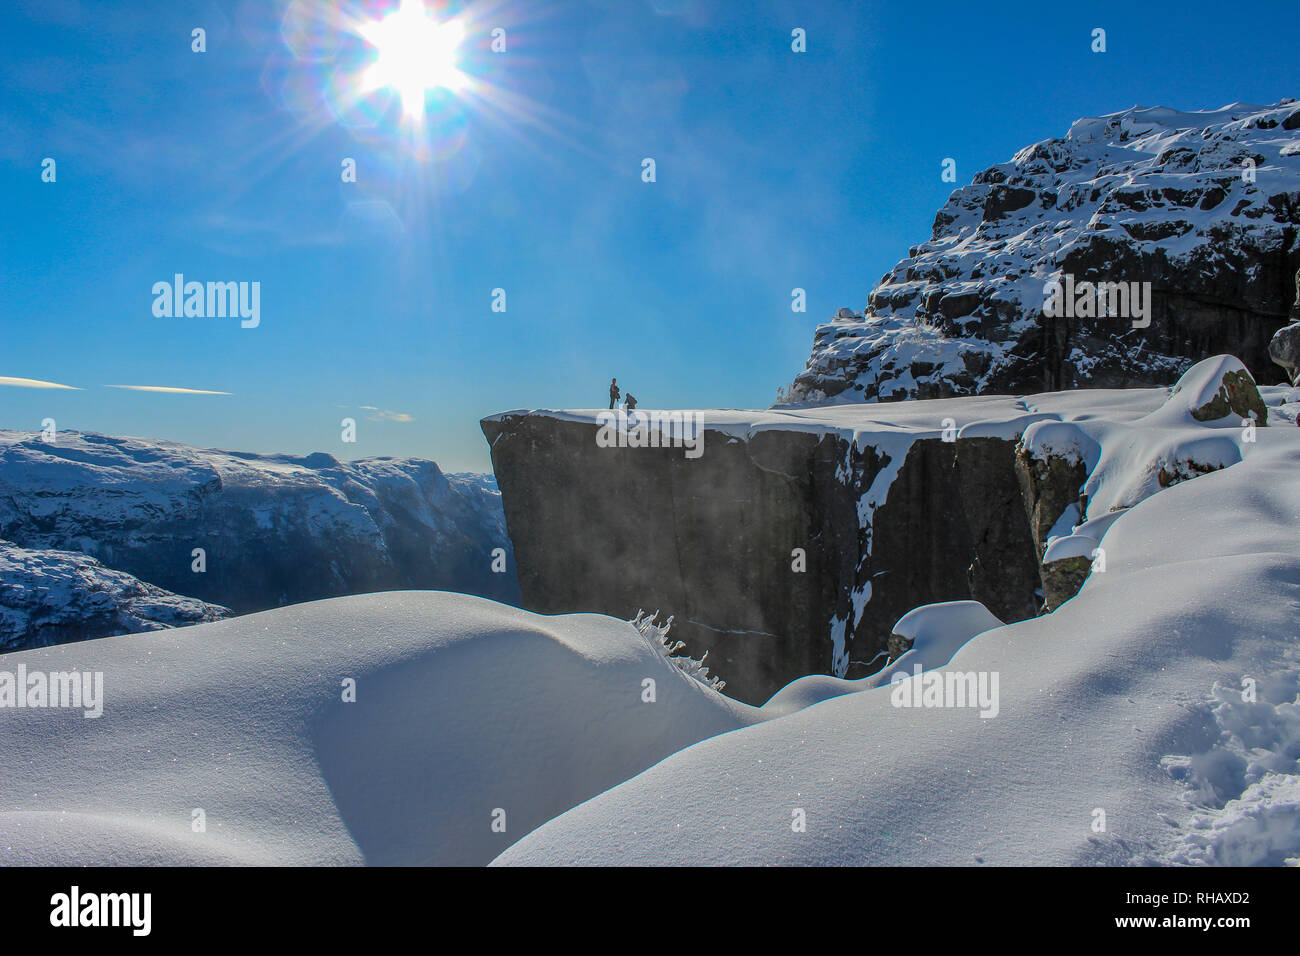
x=247 y=531
x=790 y=546
x=1203 y=206
x=790 y=542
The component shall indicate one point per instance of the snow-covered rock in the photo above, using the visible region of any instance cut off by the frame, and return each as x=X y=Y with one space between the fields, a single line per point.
x=1220 y=389
x=1284 y=349
x=1204 y=206
x=929 y=635
x=249 y=531
x=788 y=546
x=52 y=597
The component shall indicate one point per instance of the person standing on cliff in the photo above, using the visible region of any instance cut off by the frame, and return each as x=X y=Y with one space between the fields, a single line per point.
x=613 y=392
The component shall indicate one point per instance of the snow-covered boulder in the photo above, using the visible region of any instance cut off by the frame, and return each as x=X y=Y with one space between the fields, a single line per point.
x=929 y=635
x=1194 y=213
x=1217 y=389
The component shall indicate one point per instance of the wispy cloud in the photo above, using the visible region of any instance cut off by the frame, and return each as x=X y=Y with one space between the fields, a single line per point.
x=168 y=389
x=33 y=383
x=382 y=414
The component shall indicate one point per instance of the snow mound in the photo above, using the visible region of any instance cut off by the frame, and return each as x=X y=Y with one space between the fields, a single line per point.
x=1218 y=391
x=1064 y=440
x=937 y=632
x=465 y=712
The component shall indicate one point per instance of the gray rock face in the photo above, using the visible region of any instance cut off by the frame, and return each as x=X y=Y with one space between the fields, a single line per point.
x=54 y=597
x=1284 y=349
x=713 y=541
x=274 y=529
x=708 y=541
x=1203 y=206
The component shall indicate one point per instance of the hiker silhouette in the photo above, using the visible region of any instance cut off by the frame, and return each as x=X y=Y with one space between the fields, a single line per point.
x=613 y=392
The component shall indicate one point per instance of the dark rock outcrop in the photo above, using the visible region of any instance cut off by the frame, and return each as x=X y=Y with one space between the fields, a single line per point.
x=713 y=540
x=1284 y=349
x=1049 y=485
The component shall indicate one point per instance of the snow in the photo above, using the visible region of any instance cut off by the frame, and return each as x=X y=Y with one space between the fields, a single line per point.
x=1098 y=702
x=462 y=706
x=937 y=632
x=1245 y=793
x=1071 y=546
x=1126 y=700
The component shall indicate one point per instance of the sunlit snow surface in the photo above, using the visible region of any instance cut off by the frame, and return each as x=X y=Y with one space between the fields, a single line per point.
x=1126 y=700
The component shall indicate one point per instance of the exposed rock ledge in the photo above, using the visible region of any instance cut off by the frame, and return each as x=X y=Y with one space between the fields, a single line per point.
x=993 y=499
x=893 y=505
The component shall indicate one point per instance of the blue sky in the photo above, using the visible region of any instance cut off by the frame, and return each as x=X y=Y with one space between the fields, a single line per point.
x=775 y=170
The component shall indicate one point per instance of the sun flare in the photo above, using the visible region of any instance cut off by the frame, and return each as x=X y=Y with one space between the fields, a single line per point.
x=415 y=54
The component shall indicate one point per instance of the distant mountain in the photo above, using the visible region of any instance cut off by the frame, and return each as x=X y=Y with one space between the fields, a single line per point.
x=53 y=597
x=239 y=530
x=1204 y=206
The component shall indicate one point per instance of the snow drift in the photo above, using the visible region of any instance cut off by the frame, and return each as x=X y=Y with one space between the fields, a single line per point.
x=1151 y=718
x=466 y=712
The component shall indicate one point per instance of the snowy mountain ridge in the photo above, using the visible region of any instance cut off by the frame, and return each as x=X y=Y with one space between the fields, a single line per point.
x=1202 y=205
x=240 y=530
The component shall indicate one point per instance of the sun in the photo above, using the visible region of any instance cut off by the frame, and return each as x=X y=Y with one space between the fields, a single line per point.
x=415 y=54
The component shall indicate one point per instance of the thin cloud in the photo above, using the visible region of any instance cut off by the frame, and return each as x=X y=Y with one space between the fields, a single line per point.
x=168 y=389
x=381 y=414
x=33 y=383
